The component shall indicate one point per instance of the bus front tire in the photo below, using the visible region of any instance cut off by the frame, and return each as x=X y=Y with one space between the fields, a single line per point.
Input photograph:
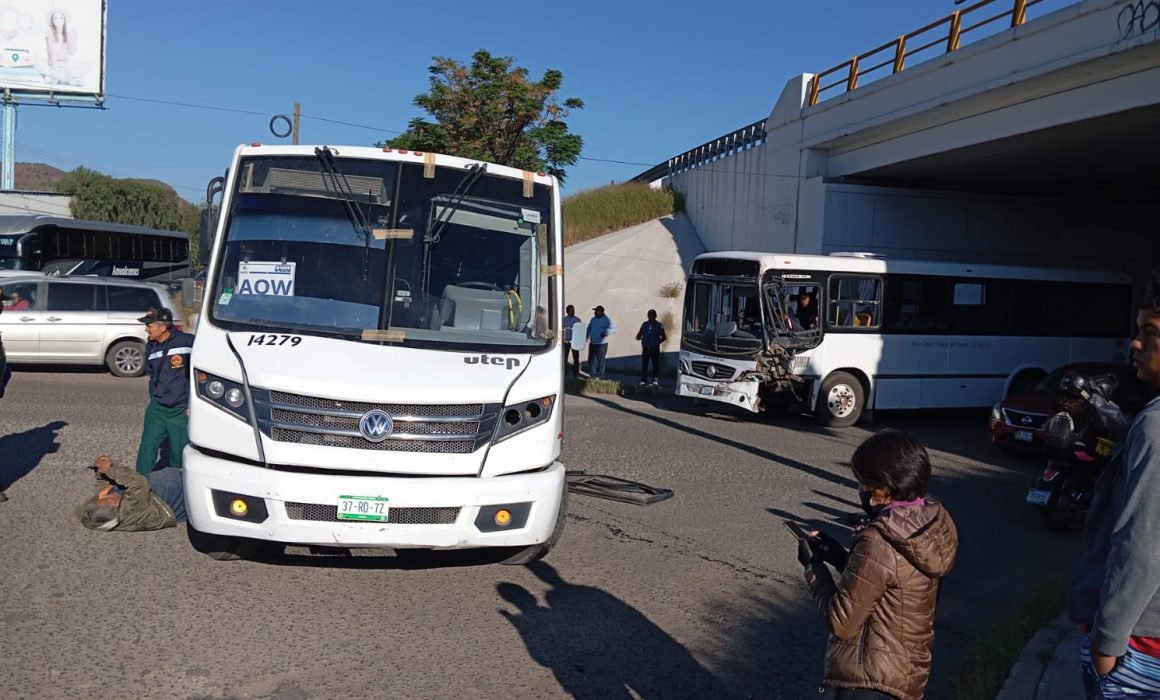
x=220 y=547
x=536 y=552
x=840 y=401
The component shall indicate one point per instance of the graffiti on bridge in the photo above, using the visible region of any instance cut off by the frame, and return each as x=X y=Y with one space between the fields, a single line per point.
x=1139 y=18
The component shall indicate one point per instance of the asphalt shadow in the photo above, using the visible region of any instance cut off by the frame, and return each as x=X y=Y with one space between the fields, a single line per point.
x=756 y=451
x=20 y=453
x=319 y=557
x=598 y=646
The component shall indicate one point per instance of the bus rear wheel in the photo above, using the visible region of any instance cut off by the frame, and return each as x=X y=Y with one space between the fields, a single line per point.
x=840 y=401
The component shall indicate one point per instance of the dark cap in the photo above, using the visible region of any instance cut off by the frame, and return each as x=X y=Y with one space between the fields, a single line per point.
x=161 y=315
x=651 y=312
x=598 y=308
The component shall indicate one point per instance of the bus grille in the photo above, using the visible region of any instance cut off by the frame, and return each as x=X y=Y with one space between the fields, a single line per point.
x=399 y=516
x=712 y=370
x=395 y=409
x=351 y=423
x=429 y=428
x=360 y=443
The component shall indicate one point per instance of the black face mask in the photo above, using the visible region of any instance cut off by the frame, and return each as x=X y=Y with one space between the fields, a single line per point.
x=871 y=510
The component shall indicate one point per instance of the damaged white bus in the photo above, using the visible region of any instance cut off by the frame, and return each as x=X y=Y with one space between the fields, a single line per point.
x=376 y=363
x=850 y=332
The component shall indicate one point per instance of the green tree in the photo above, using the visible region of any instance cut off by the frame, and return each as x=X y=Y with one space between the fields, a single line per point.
x=99 y=197
x=492 y=111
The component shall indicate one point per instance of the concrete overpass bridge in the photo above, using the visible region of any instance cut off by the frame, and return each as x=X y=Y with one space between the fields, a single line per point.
x=991 y=135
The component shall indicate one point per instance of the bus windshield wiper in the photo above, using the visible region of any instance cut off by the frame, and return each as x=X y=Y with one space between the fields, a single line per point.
x=436 y=227
x=353 y=209
x=435 y=230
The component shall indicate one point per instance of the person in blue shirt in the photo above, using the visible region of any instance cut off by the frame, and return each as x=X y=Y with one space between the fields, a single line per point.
x=167 y=416
x=651 y=335
x=599 y=328
x=571 y=319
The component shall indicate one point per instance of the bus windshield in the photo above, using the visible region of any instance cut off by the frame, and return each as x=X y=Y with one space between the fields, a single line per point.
x=723 y=317
x=9 y=253
x=355 y=247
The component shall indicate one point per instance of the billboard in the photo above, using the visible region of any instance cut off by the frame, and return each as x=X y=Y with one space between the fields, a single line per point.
x=53 y=46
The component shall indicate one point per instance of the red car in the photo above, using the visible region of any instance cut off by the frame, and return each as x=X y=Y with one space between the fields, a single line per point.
x=1017 y=421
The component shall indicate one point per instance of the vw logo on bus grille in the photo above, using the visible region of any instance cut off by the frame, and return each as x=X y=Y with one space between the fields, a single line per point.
x=376 y=425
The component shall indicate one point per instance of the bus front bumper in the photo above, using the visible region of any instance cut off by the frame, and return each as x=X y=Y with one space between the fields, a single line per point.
x=743 y=394
x=429 y=512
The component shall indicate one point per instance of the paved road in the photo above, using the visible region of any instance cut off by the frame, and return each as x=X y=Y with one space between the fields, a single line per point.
x=699 y=594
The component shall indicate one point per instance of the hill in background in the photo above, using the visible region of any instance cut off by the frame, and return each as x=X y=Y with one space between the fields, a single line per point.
x=40 y=177
x=37 y=177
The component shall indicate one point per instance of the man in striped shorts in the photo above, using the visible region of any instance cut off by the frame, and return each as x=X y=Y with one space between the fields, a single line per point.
x=1115 y=593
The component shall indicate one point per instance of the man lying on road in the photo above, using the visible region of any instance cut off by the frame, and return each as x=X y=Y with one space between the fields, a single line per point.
x=130 y=501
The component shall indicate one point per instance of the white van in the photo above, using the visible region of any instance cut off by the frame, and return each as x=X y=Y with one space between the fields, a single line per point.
x=79 y=320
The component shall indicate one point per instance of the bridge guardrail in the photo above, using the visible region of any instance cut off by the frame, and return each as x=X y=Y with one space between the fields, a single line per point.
x=947 y=32
x=734 y=142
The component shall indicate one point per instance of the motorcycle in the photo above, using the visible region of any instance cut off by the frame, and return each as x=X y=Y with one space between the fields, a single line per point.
x=1080 y=439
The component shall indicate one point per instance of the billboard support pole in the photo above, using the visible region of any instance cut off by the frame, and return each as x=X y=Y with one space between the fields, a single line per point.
x=8 y=172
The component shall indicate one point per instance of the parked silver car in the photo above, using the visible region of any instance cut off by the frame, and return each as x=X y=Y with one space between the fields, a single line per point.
x=79 y=320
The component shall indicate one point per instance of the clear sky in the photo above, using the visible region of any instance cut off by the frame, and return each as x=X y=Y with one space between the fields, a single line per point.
x=657 y=78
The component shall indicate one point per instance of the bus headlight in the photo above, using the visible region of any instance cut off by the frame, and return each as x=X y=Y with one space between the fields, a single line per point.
x=235 y=398
x=222 y=393
x=518 y=417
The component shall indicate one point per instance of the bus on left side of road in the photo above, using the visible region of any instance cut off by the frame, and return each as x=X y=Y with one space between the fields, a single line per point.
x=58 y=245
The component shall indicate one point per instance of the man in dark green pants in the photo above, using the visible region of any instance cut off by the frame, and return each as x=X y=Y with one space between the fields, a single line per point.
x=167 y=416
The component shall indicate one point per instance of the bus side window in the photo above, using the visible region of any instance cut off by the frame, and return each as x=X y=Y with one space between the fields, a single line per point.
x=855 y=302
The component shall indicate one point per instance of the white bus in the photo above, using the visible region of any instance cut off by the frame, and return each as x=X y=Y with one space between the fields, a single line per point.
x=887 y=334
x=376 y=362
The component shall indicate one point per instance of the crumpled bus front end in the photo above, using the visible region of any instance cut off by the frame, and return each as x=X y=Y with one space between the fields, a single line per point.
x=719 y=379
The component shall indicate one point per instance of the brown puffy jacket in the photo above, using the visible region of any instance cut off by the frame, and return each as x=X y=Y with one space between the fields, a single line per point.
x=881 y=613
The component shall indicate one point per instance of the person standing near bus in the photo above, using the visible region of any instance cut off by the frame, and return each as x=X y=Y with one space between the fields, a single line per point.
x=1113 y=596
x=599 y=328
x=167 y=416
x=571 y=319
x=651 y=335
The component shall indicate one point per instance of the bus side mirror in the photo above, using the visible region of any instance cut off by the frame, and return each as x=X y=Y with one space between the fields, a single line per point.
x=188 y=292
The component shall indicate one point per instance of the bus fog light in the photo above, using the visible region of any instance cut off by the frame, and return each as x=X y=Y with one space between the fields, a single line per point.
x=506 y=516
x=238 y=506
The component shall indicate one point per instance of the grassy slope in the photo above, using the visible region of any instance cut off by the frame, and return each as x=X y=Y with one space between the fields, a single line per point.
x=591 y=213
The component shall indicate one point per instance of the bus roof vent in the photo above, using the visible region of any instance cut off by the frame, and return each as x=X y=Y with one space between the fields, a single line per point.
x=858 y=254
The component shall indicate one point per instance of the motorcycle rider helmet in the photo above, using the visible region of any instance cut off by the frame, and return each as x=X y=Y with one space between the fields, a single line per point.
x=1076 y=384
x=1104 y=385
x=1059 y=431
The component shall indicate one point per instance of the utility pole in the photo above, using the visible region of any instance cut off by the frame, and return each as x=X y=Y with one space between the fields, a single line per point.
x=297 y=115
x=8 y=171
